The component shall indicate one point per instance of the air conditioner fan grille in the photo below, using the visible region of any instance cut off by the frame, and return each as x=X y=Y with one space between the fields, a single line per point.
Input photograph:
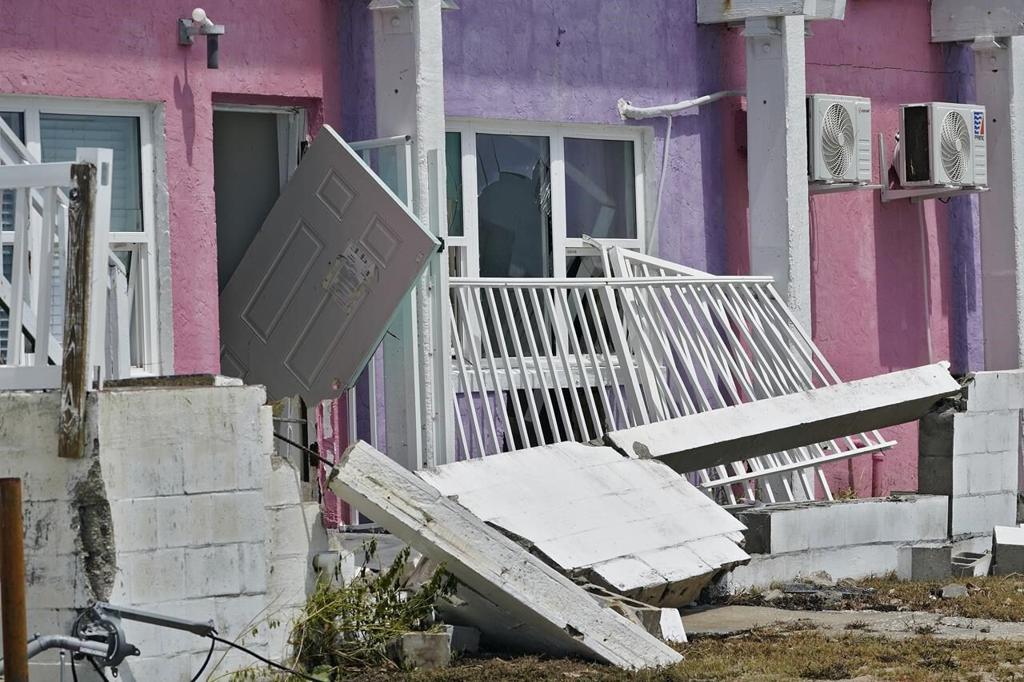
x=955 y=146
x=838 y=140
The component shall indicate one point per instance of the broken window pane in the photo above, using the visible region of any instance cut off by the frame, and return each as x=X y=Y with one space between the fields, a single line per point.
x=453 y=172
x=600 y=190
x=514 y=205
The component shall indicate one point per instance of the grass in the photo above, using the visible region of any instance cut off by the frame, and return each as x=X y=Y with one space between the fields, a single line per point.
x=994 y=597
x=770 y=654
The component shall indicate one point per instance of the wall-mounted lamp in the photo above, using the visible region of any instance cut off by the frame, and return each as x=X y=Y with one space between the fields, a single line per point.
x=200 y=24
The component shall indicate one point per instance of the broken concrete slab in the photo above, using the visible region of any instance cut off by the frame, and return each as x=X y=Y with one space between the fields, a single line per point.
x=633 y=526
x=422 y=650
x=718 y=437
x=559 y=617
x=1007 y=550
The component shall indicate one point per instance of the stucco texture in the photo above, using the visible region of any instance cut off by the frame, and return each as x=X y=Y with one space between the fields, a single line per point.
x=569 y=61
x=878 y=292
x=273 y=52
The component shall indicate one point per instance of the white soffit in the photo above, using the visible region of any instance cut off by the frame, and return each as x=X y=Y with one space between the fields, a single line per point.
x=723 y=11
x=965 y=20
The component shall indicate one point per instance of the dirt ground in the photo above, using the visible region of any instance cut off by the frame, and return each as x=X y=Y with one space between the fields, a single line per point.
x=767 y=654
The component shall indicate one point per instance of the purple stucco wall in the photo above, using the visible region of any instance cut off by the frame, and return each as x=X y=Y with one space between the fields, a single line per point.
x=571 y=60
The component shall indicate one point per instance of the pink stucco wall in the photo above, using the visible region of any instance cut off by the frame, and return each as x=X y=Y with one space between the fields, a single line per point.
x=870 y=300
x=274 y=52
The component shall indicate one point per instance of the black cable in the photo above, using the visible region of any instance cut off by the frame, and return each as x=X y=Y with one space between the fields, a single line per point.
x=99 y=671
x=269 y=662
x=74 y=671
x=209 y=655
x=308 y=451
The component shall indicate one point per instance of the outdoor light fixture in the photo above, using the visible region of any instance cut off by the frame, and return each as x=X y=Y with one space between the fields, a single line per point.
x=200 y=24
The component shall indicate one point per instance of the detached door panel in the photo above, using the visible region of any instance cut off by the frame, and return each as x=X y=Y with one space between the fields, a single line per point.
x=314 y=293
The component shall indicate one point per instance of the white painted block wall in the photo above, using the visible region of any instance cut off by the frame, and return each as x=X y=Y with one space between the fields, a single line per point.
x=208 y=522
x=970 y=452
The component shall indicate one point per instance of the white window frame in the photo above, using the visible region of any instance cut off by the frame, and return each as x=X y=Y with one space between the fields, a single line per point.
x=562 y=246
x=143 y=284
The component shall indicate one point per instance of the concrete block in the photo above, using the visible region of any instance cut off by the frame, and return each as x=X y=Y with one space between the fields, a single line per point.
x=464 y=639
x=135 y=523
x=1008 y=550
x=972 y=564
x=985 y=472
x=422 y=650
x=252 y=567
x=154 y=576
x=931 y=561
x=555 y=613
x=56 y=581
x=995 y=391
x=212 y=571
x=246 y=618
x=978 y=514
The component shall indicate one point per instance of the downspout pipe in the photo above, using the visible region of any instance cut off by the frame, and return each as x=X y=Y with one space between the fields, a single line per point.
x=629 y=112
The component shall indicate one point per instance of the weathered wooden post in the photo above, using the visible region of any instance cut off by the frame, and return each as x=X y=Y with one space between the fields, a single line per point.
x=75 y=370
x=12 y=582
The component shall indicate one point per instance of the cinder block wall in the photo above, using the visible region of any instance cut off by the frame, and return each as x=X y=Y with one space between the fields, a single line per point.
x=969 y=451
x=181 y=507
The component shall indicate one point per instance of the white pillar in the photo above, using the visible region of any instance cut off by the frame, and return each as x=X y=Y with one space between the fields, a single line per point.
x=409 y=84
x=999 y=75
x=777 y=158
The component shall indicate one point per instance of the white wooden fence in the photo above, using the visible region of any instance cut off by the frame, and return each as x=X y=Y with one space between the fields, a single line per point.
x=34 y=237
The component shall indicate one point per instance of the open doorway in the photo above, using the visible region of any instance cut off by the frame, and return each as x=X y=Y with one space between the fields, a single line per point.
x=255 y=152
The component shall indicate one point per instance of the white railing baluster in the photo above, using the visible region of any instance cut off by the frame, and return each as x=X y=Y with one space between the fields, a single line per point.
x=19 y=268
x=44 y=277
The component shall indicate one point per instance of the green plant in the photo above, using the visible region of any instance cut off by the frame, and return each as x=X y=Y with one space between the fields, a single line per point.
x=353 y=624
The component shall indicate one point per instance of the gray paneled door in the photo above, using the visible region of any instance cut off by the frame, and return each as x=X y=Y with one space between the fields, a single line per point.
x=315 y=291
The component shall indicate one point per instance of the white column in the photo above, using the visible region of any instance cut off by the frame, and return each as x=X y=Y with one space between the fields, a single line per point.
x=409 y=88
x=999 y=74
x=777 y=158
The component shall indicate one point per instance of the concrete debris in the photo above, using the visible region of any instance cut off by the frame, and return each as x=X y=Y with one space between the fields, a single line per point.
x=425 y=650
x=633 y=526
x=1007 y=550
x=953 y=591
x=463 y=639
x=665 y=624
x=722 y=436
x=972 y=564
x=926 y=561
x=819 y=579
x=555 y=616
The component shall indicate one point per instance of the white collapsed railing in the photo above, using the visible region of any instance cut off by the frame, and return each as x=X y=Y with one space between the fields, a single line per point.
x=34 y=243
x=537 y=361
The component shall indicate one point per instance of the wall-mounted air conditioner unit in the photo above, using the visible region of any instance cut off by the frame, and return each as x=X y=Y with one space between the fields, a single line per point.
x=942 y=144
x=839 y=139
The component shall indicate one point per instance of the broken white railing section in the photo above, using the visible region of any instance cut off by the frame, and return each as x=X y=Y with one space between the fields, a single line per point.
x=714 y=438
x=633 y=526
x=561 y=613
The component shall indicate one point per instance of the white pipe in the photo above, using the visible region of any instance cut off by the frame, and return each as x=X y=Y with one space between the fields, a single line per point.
x=627 y=110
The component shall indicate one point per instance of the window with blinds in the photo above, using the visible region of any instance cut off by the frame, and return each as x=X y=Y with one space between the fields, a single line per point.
x=60 y=136
x=16 y=121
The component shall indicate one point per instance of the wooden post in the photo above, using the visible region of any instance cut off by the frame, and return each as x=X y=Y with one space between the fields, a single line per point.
x=12 y=582
x=75 y=370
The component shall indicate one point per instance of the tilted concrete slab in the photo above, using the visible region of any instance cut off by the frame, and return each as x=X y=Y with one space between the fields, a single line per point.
x=633 y=526
x=558 y=614
x=718 y=437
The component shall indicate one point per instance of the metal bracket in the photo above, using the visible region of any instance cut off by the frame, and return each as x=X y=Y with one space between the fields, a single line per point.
x=916 y=194
x=987 y=44
x=188 y=30
x=833 y=187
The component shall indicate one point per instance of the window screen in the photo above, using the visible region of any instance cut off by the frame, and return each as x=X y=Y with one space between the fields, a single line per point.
x=62 y=134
